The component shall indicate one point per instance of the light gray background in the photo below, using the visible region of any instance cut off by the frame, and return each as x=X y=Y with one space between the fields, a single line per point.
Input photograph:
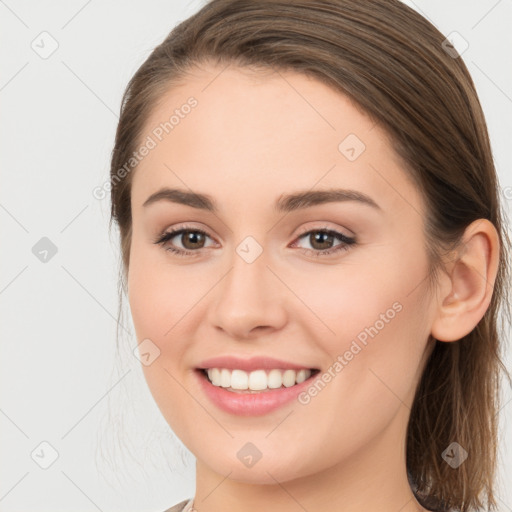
x=61 y=381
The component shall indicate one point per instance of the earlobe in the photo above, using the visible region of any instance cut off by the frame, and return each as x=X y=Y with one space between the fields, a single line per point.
x=467 y=290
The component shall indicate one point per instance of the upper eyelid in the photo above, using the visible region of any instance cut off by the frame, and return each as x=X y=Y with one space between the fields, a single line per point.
x=301 y=232
x=308 y=229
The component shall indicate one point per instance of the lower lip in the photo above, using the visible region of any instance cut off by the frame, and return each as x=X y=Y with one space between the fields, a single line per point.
x=251 y=404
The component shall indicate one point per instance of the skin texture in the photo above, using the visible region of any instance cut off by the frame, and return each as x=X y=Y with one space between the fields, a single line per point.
x=249 y=141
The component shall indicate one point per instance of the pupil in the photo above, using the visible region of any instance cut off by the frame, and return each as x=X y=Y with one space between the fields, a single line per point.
x=192 y=237
x=319 y=236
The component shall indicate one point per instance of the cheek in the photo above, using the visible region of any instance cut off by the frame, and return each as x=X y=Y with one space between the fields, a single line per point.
x=349 y=298
x=159 y=299
x=159 y=294
x=380 y=319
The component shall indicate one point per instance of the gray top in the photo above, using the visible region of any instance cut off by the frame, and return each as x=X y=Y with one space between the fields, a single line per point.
x=182 y=506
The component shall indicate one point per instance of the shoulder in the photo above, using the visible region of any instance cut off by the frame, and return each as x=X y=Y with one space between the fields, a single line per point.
x=180 y=507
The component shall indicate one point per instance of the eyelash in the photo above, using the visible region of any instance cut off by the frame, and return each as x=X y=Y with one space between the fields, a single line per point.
x=344 y=246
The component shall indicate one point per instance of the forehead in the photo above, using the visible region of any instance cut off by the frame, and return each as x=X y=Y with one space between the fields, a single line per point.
x=259 y=134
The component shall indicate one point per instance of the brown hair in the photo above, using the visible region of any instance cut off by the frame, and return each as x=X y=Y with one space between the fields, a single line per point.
x=392 y=63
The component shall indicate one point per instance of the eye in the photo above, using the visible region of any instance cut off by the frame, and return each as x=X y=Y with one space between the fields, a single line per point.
x=191 y=238
x=321 y=241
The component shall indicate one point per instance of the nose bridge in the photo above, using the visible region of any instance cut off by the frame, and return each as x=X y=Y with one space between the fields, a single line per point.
x=248 y=296
x=248 y=279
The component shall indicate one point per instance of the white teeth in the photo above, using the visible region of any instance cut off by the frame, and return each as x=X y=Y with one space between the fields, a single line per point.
x=274 y=379
x=214 y=375
x=289 y=378
x=301 y=376
x=239 y=379
x=256 y=380
x=225 y=378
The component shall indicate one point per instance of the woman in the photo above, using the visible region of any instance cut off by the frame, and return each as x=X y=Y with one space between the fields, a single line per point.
x=314 y=255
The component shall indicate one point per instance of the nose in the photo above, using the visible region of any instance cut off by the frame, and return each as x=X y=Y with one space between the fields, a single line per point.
x=249 y=300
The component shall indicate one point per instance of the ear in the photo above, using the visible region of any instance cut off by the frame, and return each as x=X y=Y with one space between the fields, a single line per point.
x=466 y=291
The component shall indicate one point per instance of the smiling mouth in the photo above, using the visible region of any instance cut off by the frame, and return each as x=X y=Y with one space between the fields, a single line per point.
x=256 y=381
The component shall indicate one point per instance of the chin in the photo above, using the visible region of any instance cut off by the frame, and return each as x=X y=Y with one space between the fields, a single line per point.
x=261 y=473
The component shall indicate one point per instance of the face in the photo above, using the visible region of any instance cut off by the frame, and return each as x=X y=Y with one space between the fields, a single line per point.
x=333 y=283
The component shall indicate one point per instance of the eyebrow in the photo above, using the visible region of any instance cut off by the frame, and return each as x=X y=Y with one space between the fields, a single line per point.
x=285 y=203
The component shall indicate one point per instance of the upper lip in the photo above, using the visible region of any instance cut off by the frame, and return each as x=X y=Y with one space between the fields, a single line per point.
x=253 y=363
